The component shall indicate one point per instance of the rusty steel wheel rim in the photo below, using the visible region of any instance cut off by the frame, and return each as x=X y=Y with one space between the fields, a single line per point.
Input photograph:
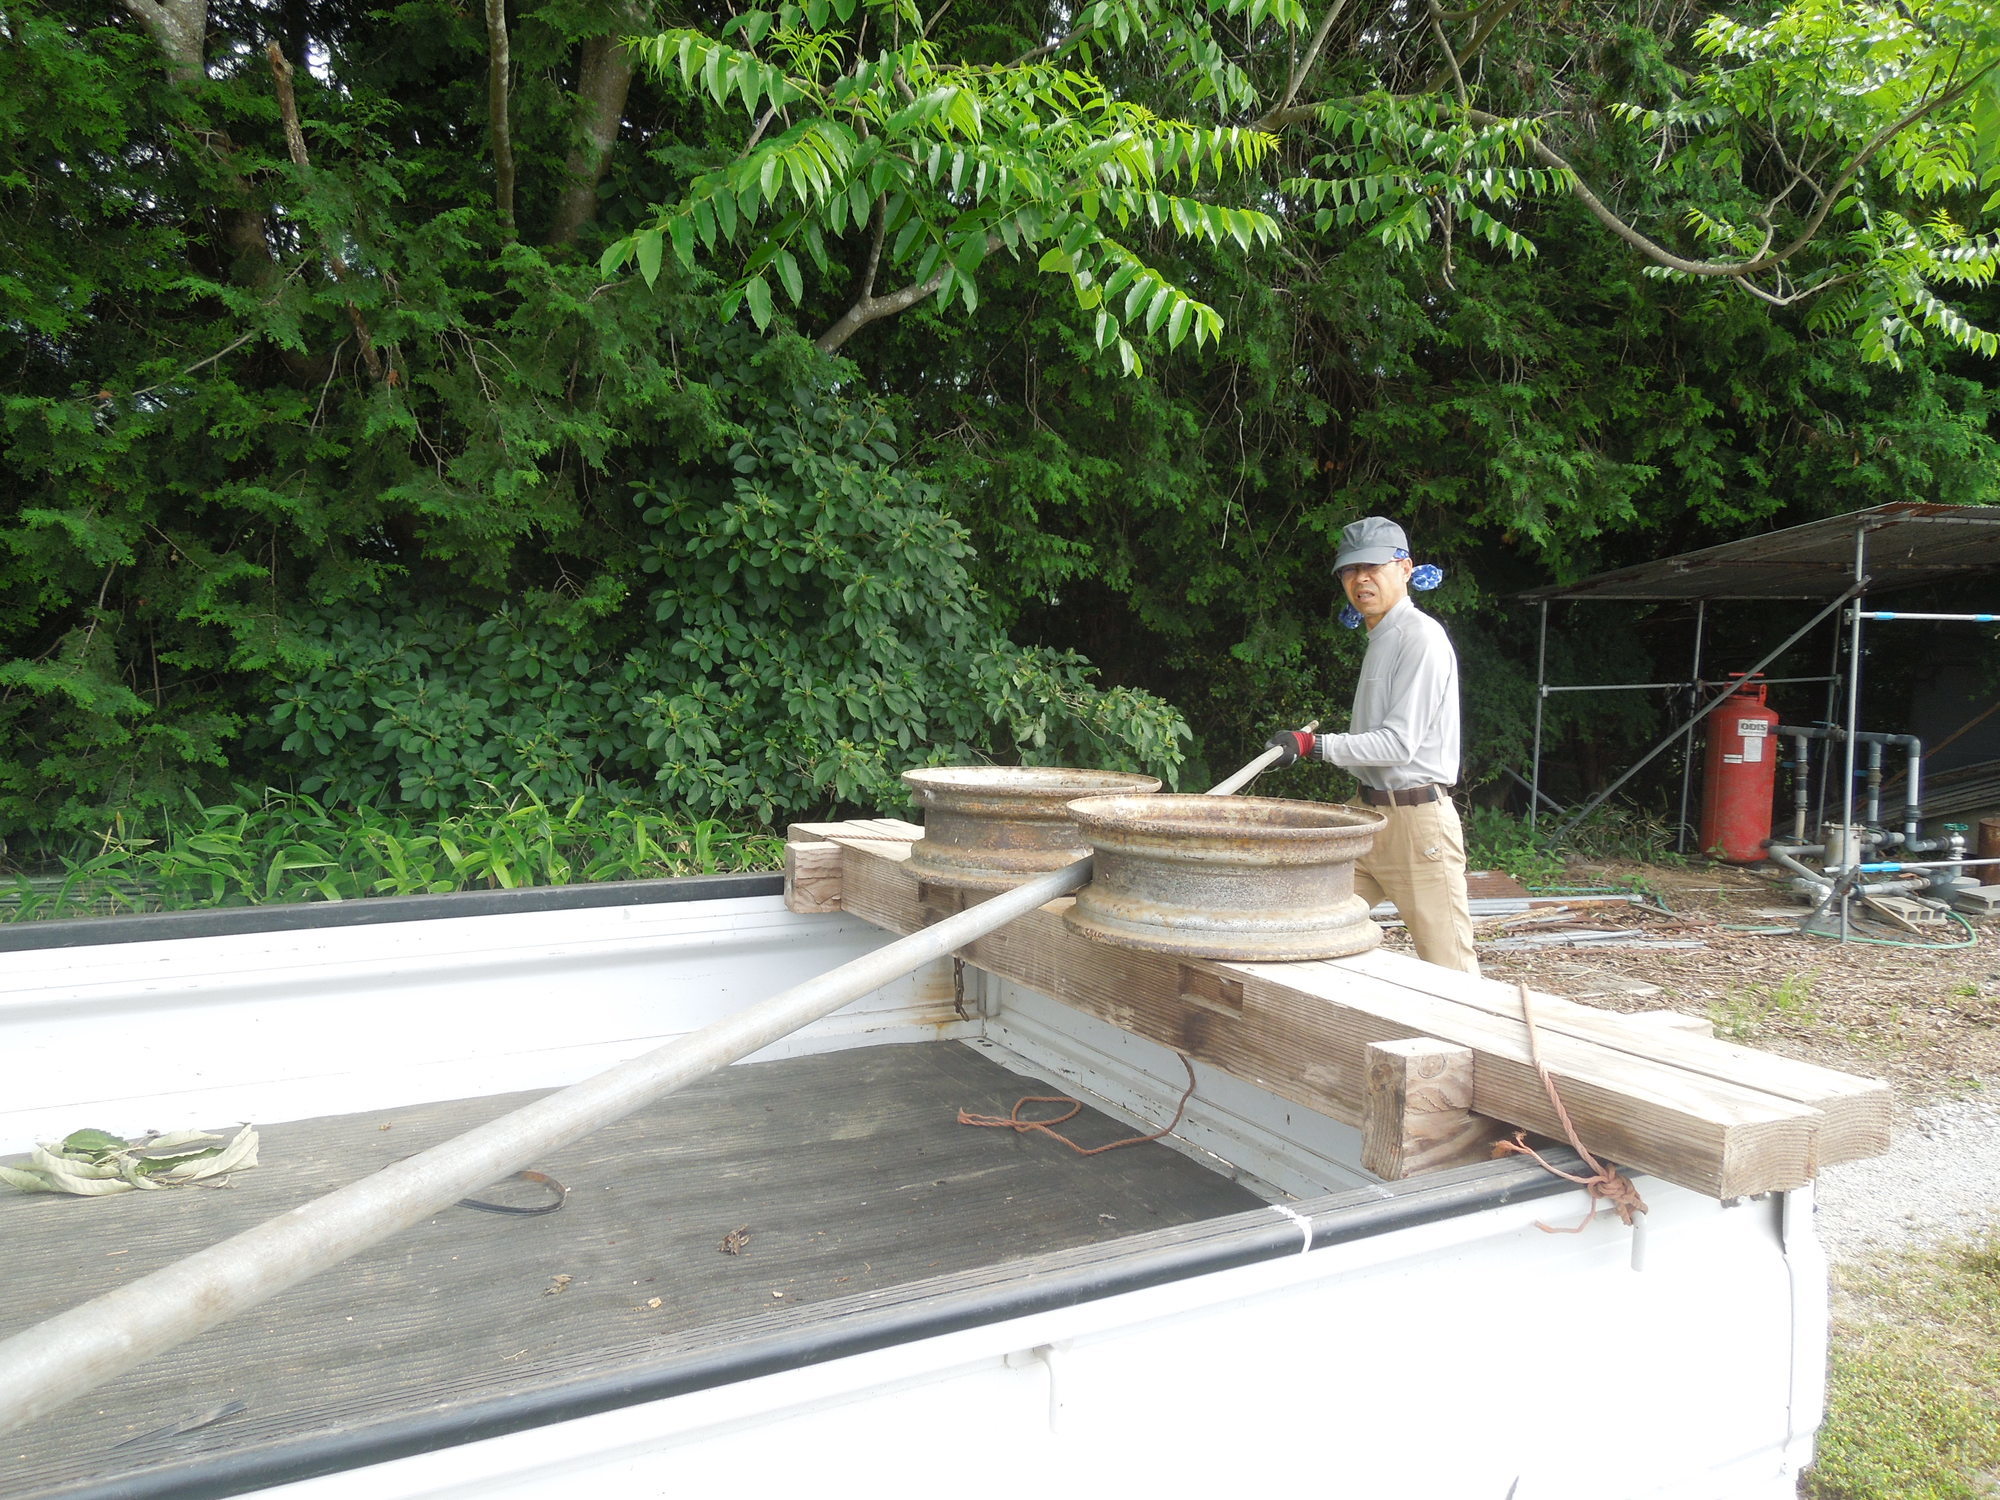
x=991 y=827
x=1249 y=878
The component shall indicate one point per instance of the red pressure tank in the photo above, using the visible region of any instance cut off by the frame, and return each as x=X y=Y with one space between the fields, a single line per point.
x=1739 y=775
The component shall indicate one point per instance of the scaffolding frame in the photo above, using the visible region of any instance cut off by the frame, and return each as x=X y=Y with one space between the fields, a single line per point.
x=1798 y=562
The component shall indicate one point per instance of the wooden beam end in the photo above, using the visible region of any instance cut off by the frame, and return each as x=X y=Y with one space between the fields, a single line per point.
x=812 y=876
x=1416 y=1115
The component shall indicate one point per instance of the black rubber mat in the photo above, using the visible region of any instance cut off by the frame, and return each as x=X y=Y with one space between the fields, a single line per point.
x=828 y=1177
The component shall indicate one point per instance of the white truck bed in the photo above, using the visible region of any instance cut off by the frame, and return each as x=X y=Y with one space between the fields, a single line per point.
x=963 y=1310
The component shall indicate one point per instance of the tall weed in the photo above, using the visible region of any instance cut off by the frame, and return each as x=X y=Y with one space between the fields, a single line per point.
x=279 y=847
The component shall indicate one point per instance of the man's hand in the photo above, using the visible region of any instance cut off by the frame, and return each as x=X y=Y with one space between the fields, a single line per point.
x=1291 y=745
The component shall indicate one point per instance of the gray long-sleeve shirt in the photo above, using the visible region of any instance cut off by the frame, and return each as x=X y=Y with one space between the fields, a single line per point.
x=1405 y=727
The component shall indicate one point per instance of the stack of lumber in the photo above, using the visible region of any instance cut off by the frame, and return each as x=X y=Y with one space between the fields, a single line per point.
x=1431 y=1064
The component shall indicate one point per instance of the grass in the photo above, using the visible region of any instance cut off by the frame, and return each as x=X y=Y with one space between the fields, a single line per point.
x=1498 y=840
x=275 y=847
x=1913 y=1404
x=1743 y=1013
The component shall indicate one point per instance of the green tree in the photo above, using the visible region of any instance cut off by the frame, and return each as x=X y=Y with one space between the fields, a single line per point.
x=310 y=380
x=317 y=407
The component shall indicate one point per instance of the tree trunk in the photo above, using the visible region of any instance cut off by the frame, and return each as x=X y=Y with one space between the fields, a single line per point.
x=181 y=29
x=497 y=67
x=603 y=82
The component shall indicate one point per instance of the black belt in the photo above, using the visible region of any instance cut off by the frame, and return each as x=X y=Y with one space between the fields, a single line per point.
x=1409 y=797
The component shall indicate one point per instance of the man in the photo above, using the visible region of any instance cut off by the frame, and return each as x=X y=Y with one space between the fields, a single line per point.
x=1402 y=745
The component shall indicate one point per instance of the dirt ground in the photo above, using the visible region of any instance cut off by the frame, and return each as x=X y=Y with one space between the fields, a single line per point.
x=1926 y=1020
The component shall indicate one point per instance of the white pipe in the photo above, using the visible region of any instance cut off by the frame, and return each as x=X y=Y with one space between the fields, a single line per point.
x=1256 y=767
x=59 y=1359
x=1541 y=701
x=1897 y=614
x=1853 y=694
x=1931 y=864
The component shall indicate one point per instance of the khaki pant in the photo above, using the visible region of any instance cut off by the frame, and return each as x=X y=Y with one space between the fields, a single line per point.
x=1418 y=862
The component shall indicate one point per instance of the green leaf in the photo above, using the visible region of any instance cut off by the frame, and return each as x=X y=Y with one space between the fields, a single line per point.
x=788 y=273
x=92 y=1142
x=681 y=228
x=648 y=243
x=758 y=295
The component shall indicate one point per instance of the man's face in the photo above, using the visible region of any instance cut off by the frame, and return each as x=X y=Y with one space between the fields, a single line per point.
x=1376 y=588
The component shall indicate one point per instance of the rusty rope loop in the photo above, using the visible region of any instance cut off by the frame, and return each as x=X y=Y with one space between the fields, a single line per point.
x=1604 y=1182
x=1013 y=1121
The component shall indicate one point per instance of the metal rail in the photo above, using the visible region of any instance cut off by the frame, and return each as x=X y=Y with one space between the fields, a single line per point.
x=1898 y=614
x=1620 y=687
x=63 y=1357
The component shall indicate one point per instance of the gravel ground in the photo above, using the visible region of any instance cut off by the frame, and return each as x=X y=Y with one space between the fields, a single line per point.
x=1940 y=1181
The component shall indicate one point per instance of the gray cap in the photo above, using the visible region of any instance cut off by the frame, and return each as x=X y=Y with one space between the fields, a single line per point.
x=1372 y=539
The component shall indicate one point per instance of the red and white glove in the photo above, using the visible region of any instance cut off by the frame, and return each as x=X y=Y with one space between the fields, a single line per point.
x=1292 y=744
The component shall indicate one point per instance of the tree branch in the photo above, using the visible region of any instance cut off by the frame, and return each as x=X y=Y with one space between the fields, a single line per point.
x=868 y=309
x=878 y=232
x=1767 y=258
x=757 y=132
x=1450 y=57
x=1490 y=16
x=1305 y=66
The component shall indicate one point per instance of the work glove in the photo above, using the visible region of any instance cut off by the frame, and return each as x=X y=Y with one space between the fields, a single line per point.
x=1291 y=744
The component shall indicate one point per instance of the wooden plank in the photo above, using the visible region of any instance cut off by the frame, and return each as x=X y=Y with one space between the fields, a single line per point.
x=1857 y=1110
x=1418 y=1116
x=1668 y=1020
x=812 y=876
x=1303 y=1030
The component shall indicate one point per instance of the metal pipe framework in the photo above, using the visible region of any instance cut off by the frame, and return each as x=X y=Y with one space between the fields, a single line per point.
x=1701 y=713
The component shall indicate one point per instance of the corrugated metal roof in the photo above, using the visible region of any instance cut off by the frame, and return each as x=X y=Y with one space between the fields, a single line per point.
x=1909 y=543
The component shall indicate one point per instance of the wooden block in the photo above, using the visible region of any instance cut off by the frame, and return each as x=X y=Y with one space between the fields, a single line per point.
x=1856 y=1111
x=812 y=876
x=1710 y=1134
x=1302 y=1031
x=1418 y=1114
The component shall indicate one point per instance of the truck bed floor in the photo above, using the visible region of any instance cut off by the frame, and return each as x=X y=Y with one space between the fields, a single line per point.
x=834 y=1175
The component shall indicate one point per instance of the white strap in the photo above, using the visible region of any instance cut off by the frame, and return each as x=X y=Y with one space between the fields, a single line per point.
x=1305 y=1224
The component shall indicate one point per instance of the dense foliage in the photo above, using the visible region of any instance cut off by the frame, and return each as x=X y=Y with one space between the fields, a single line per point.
x=410 y=404
x=275 y=848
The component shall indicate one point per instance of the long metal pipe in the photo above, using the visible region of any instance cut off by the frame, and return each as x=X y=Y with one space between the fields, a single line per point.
x=1930 y=864
x=61 y=1358
x=1876 y=740
x=1781 y=854
x=1687 y=746
x=1897 y=614
x=1620 y=687
x=1853 y=696
x=1801 y=785
x=1541 y=702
